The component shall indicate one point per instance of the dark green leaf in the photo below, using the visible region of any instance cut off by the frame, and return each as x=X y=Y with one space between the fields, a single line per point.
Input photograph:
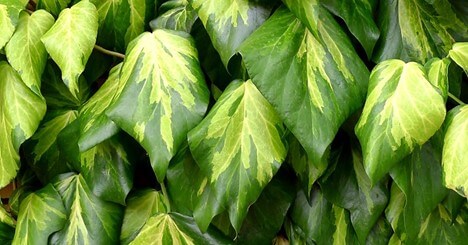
x=314 y=79
x=165 y=94
x=53 y=6
x=239 y=146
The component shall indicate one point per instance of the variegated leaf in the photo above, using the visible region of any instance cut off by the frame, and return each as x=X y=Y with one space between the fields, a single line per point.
x=141 y=205
x=239 y=146
x=402 y=111
x=177 y=15
x=175 y=228
x=95 y=127
x=455 y=153
x=358 y=16
x=70 y=41
x=7 y=226
x=21 y=110
x=108 y=171
x=25 y=51
x=6 y=26
x=230 y=22
x=309 y=72
x=90 y=220
x=414 y=30
x=459 y=53
x=43 y=152
x=437 y=71
x=165 y=94
x=41 y=214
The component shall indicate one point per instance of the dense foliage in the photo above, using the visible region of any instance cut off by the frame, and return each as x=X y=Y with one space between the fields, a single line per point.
x=234 y=121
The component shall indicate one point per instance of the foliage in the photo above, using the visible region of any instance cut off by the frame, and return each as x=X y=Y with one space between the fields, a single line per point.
x=234 y=121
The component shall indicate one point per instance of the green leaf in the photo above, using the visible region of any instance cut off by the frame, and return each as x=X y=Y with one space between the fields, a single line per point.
x=177 y=15
x=95 y=126
x=41 y=214
x=141 y=205
x=21 y=110
x=6 y=26
x=165 y=94
x=459 y=54
x=43 y=152
x=53 y=6
x=7 y=226
x=419 y=177
x=349 y=187
x=318 y=220
x=314 y=81
x=230 y=22
x=402 y=111
x=108 y=171
x=137 y=19
x=239 y=146
x=25 y=51
x=414 y=30
x=70 y=41
x=455 y=155
x=5 y=217
x=358 y=16
x=267 y=214
x=175 y=228
x=90 y=220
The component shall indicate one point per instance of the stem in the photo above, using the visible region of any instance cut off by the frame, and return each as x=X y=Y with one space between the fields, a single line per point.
x=453 y=97
x=108 y=52
x=166 y=197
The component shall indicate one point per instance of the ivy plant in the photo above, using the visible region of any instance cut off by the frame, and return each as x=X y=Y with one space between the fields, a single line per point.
x=233 y=122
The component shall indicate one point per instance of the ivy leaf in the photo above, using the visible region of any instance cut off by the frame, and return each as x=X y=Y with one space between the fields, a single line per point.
x=7 y=226
x=70 y=41
x=21 y=110
x=41 y=214
x=43 y=152
x=455 y=155
x=319 y=220
x=108 y=171
x=239 y=146
x=177 y=15
x=414 y=30
x=165 y=94
x=358 y=16
x=141 y=205
x=6 y=26
x=230 y=22
x=90 y=220
x=95 y=126
x=53 y=6
x=402 y=111
x=349 y=187
x=437 y=71
x=459 y=54
x=25 y=51
x=312 y=77
x=419 y=178
x=175 y=228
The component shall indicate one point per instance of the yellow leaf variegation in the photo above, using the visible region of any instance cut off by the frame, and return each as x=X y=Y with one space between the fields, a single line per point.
x=21 y=110
x=239 y=146
x=162 y=230
x=455 y=151
x=6 y=26
x=70 y=41
x=459 y=53
x=165 y=94
x=402 y=111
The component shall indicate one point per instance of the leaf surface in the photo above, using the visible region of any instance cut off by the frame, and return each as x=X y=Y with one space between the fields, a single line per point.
x=53 y=6
x=239 y=147
x=229 y=23
x=25 y=51
x=165 y=94
x=455 y=154
x=312 y=77
x=21 y=110
x=41 y=214
x=70 y=41
x=176 y=15
x=6 y=26
x=459 y=53
x=402 y=111
x=90 y=220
